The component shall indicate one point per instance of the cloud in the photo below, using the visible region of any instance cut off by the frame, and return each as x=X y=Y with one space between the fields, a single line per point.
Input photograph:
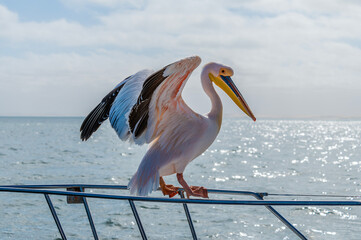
x=290 y=46
x=83 y=4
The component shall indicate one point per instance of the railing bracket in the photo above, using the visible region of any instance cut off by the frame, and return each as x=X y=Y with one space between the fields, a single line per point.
x=74 y=199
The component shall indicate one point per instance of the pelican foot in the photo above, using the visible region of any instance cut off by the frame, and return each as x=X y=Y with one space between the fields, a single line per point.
x=198 y=192
x=169 y=190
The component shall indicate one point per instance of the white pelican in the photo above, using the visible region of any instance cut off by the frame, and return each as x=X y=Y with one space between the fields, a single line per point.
x=148 y=107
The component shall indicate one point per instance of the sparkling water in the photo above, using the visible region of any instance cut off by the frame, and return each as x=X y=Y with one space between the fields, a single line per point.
x=274 y=156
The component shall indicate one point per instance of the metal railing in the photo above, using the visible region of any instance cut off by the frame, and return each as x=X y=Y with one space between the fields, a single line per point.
x=76 y=194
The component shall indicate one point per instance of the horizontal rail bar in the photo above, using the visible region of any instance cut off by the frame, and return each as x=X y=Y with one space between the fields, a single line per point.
x=99 y=186
x=123 y=187
x=190 y=201
x=217 y=191
x=312 y=195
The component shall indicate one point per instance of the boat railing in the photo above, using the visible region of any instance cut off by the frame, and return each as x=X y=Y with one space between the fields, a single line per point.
x=76 y=194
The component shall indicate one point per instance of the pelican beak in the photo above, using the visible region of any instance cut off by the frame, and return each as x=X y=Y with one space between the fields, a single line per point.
x=227 y=85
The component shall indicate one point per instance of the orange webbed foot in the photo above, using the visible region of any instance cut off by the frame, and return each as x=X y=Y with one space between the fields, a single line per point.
x=168 y=189
x=192 y=190
x=198 y=192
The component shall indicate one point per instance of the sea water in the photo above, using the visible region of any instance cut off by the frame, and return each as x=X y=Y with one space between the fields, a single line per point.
x=274 y=156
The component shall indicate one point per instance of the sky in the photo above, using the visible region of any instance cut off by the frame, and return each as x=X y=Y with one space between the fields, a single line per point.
x=292 y=59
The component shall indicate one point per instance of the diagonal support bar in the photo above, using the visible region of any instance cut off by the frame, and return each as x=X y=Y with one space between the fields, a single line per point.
x=188 y=215
x=91 y=222
x=55 y=216
x=281 y=218
x=137 y=219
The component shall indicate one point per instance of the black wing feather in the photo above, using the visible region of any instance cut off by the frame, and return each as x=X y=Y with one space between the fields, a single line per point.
x=138 y=117
x=99 y=114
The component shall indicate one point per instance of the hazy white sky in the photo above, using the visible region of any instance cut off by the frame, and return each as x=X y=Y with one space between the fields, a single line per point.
x=291 y=58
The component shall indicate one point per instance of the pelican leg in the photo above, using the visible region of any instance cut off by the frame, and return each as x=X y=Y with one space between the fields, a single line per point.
x=193 y=190
x=169 y=190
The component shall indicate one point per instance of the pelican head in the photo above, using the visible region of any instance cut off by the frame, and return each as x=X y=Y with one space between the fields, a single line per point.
x=221 y=76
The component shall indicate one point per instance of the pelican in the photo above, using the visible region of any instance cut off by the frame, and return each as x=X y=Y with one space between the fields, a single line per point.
x=148 y=108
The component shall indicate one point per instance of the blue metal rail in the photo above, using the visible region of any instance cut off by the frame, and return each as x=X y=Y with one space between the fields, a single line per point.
x=76 y=194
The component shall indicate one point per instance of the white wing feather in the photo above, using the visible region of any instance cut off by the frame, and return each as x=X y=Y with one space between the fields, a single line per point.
x=126 y=99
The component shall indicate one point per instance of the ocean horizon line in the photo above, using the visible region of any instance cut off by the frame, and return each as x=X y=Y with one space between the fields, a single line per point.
x=227 y=116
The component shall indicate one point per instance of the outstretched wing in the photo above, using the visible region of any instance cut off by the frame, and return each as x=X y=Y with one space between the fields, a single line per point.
x=135 y=106
x=161 y=91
